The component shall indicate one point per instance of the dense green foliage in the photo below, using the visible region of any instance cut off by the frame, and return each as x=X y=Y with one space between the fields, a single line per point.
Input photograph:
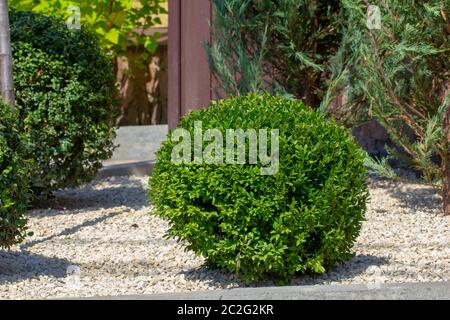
x=13 y=182
x=64 y=89
x=114 y=22
x=304 y=218
x=284 y=46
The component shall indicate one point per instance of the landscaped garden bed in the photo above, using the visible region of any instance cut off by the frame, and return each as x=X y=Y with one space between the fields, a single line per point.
x=105 y=229
x=263 y=185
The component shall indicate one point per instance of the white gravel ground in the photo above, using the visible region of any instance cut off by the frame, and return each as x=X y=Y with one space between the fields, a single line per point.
x=101 y=240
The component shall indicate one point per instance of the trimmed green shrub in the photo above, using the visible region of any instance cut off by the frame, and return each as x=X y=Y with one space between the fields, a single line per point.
x=64 y=95
x=13 y=182
x=304 y=218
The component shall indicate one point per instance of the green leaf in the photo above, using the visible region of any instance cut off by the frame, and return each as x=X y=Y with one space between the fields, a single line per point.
x=113 y=36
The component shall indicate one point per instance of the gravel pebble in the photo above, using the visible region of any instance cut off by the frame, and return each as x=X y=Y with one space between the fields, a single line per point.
x=100 y=240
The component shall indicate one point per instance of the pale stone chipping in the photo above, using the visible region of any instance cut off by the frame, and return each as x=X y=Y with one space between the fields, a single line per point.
x=105 y=228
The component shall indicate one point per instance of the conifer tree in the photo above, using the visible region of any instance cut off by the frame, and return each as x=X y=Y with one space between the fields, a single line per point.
x=400 y=73
x=282 y=46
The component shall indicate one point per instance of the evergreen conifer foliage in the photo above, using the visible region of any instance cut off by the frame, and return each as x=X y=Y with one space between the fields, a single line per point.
x=400 y=74
x=282 y=46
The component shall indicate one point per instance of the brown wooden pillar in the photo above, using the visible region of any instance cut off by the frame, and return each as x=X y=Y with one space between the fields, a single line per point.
x=189 y=77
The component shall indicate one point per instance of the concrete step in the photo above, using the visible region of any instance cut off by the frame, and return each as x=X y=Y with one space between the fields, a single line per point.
x=136 y=151
x=138 y=143
x=126 y=168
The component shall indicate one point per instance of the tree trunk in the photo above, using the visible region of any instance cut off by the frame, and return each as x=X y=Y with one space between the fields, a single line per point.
x=446 y=191
x=446 y=167
x=6 y=76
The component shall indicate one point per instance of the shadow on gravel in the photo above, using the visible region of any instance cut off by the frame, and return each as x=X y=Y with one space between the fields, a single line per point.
x=131 y=196
x=21 y=265
x=214 y=277
x=350 y=269
x=69 y=231
x=421 y=198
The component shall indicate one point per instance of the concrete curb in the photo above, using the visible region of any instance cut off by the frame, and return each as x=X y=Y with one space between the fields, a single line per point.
x=399 y=291
x=124 y=168
x=136 y=151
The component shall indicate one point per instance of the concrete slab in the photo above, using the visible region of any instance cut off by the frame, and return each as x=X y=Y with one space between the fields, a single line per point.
x=138 y=143
x=126 y=168
x=400 y=291
x=135 y=154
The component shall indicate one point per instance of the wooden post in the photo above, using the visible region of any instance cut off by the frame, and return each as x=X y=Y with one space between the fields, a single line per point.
x=189 y=80
x=174 y=72
x=6 y=75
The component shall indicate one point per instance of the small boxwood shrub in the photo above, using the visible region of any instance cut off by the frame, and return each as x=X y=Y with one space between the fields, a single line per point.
x=304 y=218
x=13 y=182
x=64 y=94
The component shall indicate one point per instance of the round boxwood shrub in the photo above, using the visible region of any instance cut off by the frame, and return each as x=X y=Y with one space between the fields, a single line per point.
x=64 y=95
x=13 y=182
x=304 y=218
